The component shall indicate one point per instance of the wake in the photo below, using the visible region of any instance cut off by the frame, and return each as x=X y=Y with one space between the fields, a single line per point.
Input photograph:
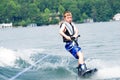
x=109 y=73
x=26 y=69
x=35 y=57
x=106 y=69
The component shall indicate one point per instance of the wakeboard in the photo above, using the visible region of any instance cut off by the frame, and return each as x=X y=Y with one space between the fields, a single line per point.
x=88 y=73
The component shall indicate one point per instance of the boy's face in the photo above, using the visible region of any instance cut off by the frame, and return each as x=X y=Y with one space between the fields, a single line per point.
x=68 y=18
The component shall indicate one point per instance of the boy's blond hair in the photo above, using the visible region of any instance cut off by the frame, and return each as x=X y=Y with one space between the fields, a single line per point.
x=67 y=13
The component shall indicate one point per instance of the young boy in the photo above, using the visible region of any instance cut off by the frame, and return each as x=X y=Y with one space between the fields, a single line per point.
x=69 y=32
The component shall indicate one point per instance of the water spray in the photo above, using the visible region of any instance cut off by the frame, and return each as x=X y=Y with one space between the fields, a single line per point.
x=26 y=69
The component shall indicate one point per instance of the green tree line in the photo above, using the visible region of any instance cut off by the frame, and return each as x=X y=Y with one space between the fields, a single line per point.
x=44 y=12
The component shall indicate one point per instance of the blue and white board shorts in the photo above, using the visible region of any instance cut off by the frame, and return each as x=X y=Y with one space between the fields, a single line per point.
x=72 y=48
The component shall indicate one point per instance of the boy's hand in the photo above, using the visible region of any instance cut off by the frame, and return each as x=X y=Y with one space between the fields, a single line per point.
x=68 y=38
x=72 y=38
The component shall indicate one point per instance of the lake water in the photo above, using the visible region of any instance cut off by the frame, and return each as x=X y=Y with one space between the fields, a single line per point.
x=37 y=53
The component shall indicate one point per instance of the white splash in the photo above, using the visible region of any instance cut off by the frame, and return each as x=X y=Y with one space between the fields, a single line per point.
x=109 y=72
x=7 y=57
x=26 y=69
x=106 y=69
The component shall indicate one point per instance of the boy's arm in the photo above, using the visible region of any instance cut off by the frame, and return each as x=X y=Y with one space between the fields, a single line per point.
x=62 y=30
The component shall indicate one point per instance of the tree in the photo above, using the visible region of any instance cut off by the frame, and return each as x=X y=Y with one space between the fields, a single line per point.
x=33 y=12
x=23 y=12
x=104 y=11
x=2 y=10
x=61 y=10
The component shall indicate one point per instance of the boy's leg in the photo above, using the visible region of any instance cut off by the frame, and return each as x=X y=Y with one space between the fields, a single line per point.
x=81 y=65
x=80 y=58
x=76 y=52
